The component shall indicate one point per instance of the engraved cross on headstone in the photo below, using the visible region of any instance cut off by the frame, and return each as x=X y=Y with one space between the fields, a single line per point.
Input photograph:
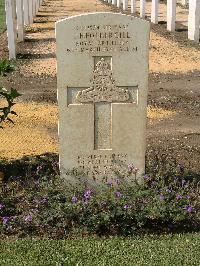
x=103 y=93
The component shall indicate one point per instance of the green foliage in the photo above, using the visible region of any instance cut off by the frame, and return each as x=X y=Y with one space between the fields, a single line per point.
x=30 y=29
x=2 y=16
x=7 y=110
x=42 y=204
x=176 y=250
x=5 y=67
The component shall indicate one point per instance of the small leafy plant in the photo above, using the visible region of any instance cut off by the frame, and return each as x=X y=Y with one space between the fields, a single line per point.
x=5 y=67
x=7 y=110
x=32 y=29
x=40 y=203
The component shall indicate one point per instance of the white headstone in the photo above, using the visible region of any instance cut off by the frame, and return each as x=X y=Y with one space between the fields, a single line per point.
x=142 y=8
x=26 y=12
x=133 y=6
x=30 y=5
x=34 y=8
x=102 y=70
x=125 y=5
x=37 y=5
x=114 y=2
x=20 y=20
x=11 y=31
x=185 y=2
x=154 y=11
x=119 y=2
x=171 y=15
x=194 y=20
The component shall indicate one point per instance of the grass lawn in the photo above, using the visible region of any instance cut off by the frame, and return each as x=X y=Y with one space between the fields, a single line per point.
x=2 y=16
x=149 y=250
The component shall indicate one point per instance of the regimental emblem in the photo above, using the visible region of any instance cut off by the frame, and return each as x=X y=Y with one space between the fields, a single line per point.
x=102 y=95
x=103 y=88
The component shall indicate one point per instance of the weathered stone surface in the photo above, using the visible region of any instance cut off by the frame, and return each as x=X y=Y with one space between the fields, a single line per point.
x=102 y=65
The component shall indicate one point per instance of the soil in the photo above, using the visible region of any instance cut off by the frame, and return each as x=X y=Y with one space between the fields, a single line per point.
x=174 y=85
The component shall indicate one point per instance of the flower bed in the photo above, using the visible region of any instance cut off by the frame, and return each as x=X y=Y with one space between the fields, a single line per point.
x=40 y=203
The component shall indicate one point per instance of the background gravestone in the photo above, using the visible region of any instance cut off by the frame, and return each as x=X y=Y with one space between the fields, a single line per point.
x=102 y=70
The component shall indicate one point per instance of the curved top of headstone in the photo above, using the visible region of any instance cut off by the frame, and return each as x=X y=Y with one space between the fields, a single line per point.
x=142 y=21
x=82 y=40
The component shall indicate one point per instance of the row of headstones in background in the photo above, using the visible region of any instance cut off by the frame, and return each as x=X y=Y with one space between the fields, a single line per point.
x=18 y=14
x=193 y=17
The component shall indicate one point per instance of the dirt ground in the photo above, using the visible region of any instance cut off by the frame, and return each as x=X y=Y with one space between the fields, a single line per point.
x=174 y=86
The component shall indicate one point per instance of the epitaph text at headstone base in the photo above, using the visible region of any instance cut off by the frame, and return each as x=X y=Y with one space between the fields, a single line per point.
x=102 y=69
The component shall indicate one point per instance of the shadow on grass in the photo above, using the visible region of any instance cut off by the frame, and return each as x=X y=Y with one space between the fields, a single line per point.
x=36 y=56
x=28 y=165
x=157 y=163
x=48 y=39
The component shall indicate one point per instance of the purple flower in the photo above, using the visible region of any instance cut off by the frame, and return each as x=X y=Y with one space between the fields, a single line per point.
x=74 y=199
x=178 y=197
x=161 y=197
x=188 y=197
x=34 y=210
x=118 y=194
x=168 y=190
x=126 y=206
x=87 y=195
x=2 y=206
x=183 y=182
x=118 y=181
x=109 y=184
x=147 y=178
x=189 y=208
x=5 y=219
x=44 y=200
x=153 y=184
x=28 y=218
